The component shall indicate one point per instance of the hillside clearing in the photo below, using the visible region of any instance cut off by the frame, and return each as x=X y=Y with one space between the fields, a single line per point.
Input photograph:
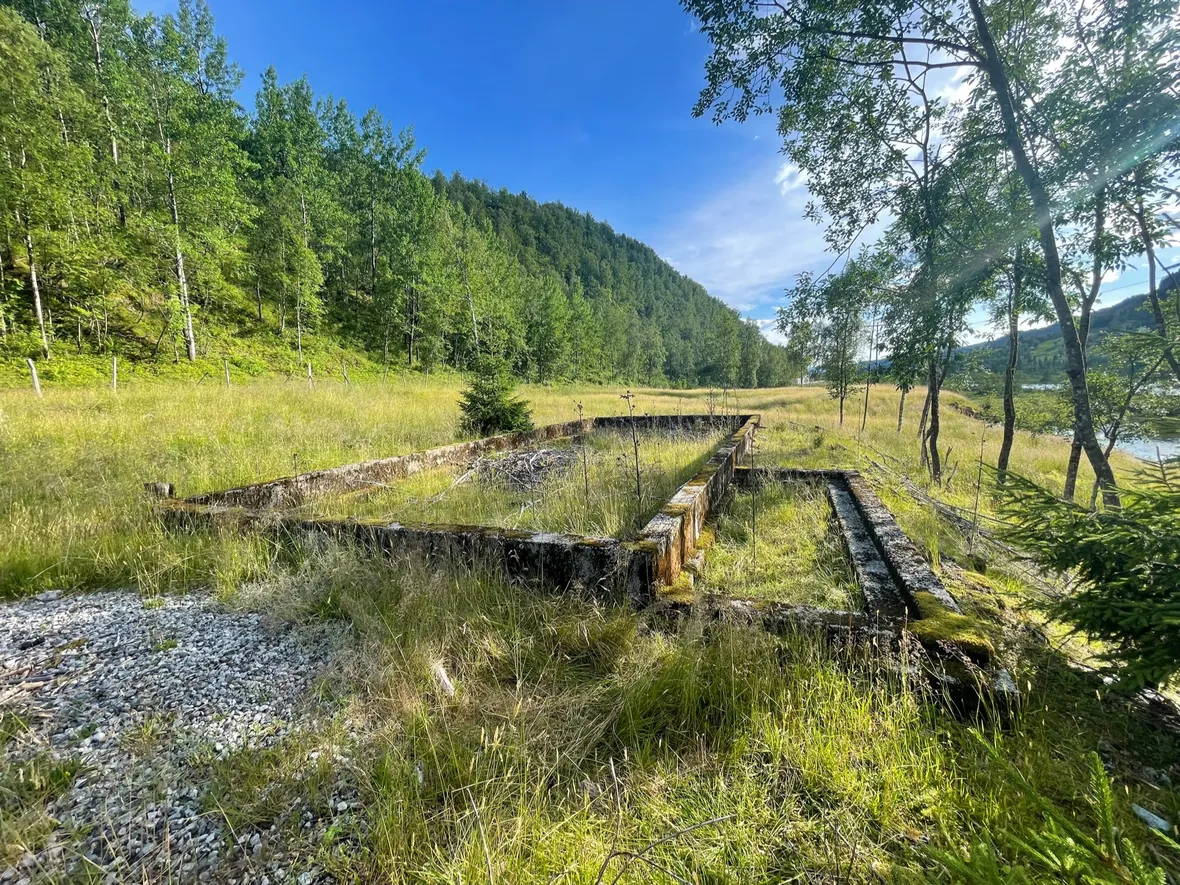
x=543 y=737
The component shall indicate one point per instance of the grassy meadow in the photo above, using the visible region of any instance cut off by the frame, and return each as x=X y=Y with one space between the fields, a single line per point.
x=580 y=744
x=789 y=551
x=594 y=494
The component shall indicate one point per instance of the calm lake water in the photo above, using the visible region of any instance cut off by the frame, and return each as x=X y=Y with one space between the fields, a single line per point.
x=1169 y=447
x=1145 y=448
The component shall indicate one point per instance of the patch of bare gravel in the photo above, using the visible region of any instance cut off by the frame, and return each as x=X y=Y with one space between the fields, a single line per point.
x=144 y=695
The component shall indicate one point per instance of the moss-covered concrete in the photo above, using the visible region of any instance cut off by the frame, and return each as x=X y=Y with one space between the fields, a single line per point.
x=937 y=624
x=675 y=529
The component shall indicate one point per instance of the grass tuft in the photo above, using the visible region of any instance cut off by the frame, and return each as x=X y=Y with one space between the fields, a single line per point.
x=574 y=736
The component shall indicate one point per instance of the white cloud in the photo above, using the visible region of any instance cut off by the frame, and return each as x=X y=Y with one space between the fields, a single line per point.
x=746 y=242
x=770 y=332
x=789 y=177
x=958 y=88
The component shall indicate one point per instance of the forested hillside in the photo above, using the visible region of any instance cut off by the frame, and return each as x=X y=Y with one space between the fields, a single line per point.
x=663 y=317
x=1041 y=357
x=146 y=214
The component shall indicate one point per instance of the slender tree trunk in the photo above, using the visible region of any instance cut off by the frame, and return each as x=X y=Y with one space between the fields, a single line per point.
x=470 y=305
x=842 y=395
x=413 y=327
x=190 y=341
x=258 y=293
x=932 y=435
x=283 y=287
x=1014 y=301
x=901 y=409
x=24 y=223
x=190 y=338
x=1071 y=469
x=300 y=291
x=1075 y=362
x=35 y=285
x=373 y=244
x=1157 y=311
x=1088 y=300
x=92 y=19
x=925 y=416
x=1096 y=271
x=864 y=418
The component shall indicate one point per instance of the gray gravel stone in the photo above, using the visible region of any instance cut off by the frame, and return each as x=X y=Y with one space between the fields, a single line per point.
x=136 y=693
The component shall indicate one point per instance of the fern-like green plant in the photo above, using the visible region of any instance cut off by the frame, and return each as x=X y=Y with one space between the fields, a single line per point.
x=1061 y=851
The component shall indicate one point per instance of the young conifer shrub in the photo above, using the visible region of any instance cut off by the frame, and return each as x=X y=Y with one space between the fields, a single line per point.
x=1127 y=566
x=488 y=404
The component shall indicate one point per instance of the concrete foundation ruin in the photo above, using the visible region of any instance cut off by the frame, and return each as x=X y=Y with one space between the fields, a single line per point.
x=611 y=569
x=639 y=571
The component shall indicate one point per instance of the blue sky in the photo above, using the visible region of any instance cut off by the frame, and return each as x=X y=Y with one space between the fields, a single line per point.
x=587 y=102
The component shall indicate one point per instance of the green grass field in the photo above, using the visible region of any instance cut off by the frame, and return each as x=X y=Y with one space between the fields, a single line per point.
x=582 y=744
x=790 y=551
x=600 y=501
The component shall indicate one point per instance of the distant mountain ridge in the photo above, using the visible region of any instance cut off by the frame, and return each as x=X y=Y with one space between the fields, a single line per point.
x=1041 y=351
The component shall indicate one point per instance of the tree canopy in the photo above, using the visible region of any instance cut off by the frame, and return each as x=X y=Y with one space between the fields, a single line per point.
x=145 y=212
x=1011 y=152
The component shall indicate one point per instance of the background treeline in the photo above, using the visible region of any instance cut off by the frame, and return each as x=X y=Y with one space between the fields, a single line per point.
x=145 y=213
x=1040 y=356
x=1015 y=156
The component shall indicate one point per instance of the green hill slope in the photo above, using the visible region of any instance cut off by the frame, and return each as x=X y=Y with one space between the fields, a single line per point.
x=145 y=215
x=1042 y=357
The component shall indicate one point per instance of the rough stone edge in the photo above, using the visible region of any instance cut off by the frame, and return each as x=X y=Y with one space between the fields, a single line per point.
x=909 y=569
x=963 y=684
x=883 y=602
x=671 y=535
x=605 y=569
x=882 y=599
x=291 y=491
x=602 y=569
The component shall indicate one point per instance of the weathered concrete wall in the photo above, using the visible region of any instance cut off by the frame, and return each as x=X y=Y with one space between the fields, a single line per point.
x=292 y=491
x=906 y=564
x=605 y=568
x=670 y=422
x=671 y=536
x=597 y=568
x=887 y=565
x=882 y=600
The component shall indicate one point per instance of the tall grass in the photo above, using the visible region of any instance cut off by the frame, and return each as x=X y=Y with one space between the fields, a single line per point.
x=576 y=737
x=72 y=469
x=72 y=465
x=559 y=501
x=791 y=551
x=579 y=743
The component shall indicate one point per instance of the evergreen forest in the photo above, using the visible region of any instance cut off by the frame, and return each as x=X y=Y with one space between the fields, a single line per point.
x=146 y=213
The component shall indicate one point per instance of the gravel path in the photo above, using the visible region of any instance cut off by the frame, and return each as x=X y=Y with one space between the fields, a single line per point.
x=145 y=697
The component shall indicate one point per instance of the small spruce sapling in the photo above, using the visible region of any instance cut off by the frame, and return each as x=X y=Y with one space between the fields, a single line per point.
x=1126 y=563
x=488 y=405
